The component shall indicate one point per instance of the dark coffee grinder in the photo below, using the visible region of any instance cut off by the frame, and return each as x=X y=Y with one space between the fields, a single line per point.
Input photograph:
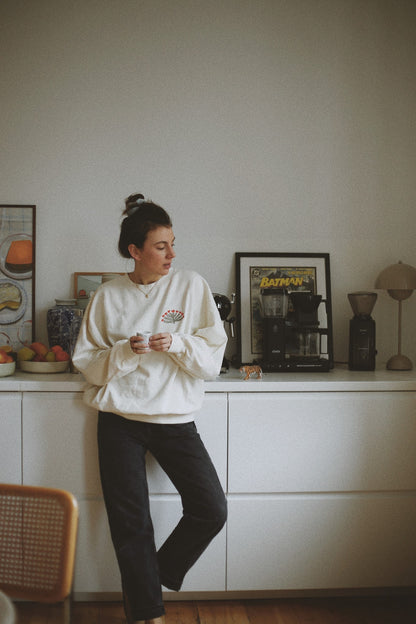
x=362 y=345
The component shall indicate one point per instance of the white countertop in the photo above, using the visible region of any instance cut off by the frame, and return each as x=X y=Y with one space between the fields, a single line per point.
x=340 y=379
x=35 y=382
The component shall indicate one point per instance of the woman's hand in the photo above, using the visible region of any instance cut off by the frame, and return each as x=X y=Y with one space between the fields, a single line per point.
x=158 y=342
x=139 y=345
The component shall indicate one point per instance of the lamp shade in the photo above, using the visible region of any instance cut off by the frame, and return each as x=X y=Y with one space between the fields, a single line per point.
x=399 y=279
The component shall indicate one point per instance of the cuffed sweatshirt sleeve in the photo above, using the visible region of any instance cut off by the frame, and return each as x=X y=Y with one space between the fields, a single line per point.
x=200 y=353
x=96 y=357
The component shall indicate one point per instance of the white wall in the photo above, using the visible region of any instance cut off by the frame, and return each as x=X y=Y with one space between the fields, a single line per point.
x=260 y=125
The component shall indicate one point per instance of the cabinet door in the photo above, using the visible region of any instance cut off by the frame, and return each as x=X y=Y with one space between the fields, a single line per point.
x=284 y=542
x=59 y=443
x=211 y=422
x=312 y=441
x=96 y=569
x=60 y=447
x=208 y=574
x=10 y=437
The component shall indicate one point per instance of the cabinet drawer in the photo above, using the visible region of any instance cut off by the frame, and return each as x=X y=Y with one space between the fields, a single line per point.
x=208 y=573
x=10 y=438
x=314 y=442
x=211 y=422
x=96 y=568
x=60 y=443
x=321 y=541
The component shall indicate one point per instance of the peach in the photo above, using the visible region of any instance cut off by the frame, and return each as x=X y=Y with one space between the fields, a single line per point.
x=5 y=357
x=56 y=348
x=39 y=348
x=62 y=356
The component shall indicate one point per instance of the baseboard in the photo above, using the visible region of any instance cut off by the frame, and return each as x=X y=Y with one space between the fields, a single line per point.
x=256 y=595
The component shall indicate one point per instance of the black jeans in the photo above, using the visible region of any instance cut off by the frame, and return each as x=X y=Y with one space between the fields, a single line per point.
x=122 y=446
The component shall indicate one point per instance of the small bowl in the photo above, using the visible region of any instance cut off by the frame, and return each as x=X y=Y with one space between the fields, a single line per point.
x=43 y=367
x=7 y=368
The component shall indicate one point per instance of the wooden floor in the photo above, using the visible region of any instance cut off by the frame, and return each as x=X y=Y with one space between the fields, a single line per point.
x=388 y=610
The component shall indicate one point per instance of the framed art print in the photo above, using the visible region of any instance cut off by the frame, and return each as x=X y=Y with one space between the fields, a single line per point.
x=291 y=271
x=17 y=275
x=86 y=283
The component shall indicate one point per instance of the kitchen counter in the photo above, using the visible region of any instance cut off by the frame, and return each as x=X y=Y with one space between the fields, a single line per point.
x=339 y=379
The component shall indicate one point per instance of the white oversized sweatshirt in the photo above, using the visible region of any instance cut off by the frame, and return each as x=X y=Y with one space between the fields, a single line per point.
x=157 y=387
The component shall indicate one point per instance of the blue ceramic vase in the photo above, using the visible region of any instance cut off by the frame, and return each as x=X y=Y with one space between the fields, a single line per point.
x=63 y=323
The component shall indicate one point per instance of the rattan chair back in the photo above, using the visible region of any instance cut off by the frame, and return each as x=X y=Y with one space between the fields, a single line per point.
x=38 y=528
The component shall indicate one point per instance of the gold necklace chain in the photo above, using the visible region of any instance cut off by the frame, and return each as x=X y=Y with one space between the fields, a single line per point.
x=145 y=293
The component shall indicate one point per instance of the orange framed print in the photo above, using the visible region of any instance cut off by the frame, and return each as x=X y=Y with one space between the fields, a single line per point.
x=17 y=275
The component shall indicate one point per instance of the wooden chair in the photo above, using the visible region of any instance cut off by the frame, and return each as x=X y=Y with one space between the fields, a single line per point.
x=38 y=528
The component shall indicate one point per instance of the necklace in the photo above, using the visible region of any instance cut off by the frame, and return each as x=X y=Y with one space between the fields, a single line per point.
x=146 y=289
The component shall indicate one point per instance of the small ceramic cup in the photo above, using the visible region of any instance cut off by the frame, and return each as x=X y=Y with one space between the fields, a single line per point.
x=145 y=335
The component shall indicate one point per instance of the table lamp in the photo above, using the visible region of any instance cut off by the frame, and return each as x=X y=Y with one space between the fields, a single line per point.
x=400 y=281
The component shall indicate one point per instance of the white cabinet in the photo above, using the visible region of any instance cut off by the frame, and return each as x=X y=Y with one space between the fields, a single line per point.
x=60 y=450
x=10 y=437
x=322 y=490
x=319 y=471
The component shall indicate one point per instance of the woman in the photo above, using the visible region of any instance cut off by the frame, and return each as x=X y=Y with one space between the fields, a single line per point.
x=147 y=395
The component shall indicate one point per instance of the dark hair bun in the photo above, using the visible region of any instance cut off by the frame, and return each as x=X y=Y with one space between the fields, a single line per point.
x=131 y=202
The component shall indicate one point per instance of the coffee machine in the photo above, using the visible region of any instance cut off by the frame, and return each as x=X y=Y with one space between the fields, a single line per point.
x=224 y=305
x=362 y=344
x=295 y=331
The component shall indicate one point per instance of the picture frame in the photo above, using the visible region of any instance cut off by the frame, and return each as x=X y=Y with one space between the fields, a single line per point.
x=86 y=282
x=297 y=271
x=17 y=274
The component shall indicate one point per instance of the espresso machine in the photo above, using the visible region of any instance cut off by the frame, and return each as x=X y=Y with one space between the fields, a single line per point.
x=294 y=336
x=224 y=305
x=362 y=344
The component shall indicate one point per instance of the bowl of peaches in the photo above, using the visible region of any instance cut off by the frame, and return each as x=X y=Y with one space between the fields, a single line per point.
x=38 y=358
x=7 y=362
